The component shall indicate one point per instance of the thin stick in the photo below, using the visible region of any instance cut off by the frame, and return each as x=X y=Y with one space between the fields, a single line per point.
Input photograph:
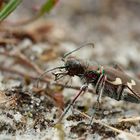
x=24 y=59
x=8 y=41
x=42 y=80
x=133 y=119
x=131 y=136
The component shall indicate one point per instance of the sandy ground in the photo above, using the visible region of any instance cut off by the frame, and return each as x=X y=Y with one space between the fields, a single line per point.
x=28 y=112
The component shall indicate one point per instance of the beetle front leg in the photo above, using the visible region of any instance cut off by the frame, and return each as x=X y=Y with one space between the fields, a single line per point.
x=82 y=90
x=99 y=88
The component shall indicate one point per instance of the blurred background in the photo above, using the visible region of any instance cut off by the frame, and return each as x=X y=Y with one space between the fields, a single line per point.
x=112 y=25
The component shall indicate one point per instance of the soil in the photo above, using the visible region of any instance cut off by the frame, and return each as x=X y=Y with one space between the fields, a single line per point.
x=31 y=105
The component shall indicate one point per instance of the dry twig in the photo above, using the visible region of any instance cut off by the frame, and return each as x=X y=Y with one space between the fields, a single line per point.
x=129 y=135
x=45 y=80
x=132 y=119
x=24 y=59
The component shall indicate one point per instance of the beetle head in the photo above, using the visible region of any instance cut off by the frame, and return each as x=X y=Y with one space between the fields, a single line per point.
x=72 y=66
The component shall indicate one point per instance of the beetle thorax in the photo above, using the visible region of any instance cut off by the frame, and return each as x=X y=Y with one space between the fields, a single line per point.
x=91 y=76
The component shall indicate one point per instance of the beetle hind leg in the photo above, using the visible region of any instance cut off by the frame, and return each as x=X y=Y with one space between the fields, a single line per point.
x=130 y=95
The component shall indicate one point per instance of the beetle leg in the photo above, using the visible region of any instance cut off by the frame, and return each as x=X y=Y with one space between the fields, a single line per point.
x=82 y=90
x=119 y=92
x=98 y=84
x=101 y=91
x=131 y=97
x=99 y=88
x=133 y=91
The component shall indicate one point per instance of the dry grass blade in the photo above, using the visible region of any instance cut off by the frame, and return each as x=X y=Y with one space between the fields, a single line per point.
x=132 y=119
x=24 y=59
x=21 y=74
x=36 y=31
x=4 y=41
x=42 y=80
x=128 y=135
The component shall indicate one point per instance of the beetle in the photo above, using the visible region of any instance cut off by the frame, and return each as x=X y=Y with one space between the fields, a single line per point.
x=107 y=81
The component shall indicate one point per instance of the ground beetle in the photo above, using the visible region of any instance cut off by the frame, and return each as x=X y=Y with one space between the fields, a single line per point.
x=107 y=81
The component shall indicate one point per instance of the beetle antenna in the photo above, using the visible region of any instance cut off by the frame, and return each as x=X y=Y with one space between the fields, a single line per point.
x=46 y=71
x=84 y=45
